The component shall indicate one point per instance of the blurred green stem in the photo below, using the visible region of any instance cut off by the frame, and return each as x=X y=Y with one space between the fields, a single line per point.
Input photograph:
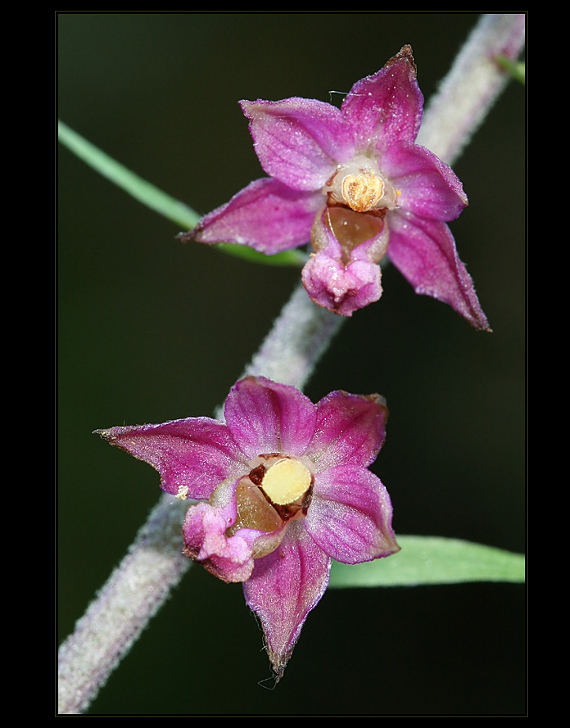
x=150 y=196
x=179 y=213
x=517 y=70
x=299 y=337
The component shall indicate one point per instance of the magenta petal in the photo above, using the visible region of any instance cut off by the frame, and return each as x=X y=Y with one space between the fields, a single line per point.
x=424 y=252
x=266 y=215
x=350 y=430
x=194 y=454
x=268 y=417
x=427 y=186
x=298 y=141
x=344 y=280
x=228 y=558
x=284 y=587
x=387 y=106
x=228 y=555
x=341 y=288
x=350 y=516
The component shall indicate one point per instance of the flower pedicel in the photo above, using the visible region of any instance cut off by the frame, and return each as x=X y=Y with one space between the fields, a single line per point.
x=283 y=487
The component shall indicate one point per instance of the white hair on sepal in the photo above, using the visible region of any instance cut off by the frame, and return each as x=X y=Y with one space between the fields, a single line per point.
x=345 y=94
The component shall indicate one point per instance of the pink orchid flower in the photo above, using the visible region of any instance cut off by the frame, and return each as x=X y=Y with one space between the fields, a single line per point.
x=283 y=487
x=352 y=181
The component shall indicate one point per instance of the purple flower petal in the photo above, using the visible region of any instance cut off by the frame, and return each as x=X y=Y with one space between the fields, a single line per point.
x=350 y=516
x=350 y=430
x=266 y=215
x=341 y=288
x=298 y=141
x=284 y=587
x=424 y=252
x=385 y=107
x=427 y=186
x=229 y=559
x=267 y=417
x=193 y=454
x=228 y=556
x=343 y=274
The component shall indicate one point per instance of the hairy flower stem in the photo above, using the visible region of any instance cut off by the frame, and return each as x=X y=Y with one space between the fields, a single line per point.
x=472 y=85
x=154 y=565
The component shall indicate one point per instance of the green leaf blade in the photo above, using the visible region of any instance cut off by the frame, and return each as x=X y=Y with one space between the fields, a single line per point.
x=426 y=560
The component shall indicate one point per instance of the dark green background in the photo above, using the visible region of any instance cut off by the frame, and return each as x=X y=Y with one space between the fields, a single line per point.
x=150 y=330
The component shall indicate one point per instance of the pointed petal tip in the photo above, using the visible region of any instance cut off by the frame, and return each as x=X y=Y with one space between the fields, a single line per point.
x=389 y=547
x=377 y=399
x=105 y=434
x=278 y=664
x=113 y=435
x=187 y=236
x=393 y=548
x=405 y=53
x=479 y=322
x=194 y=235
